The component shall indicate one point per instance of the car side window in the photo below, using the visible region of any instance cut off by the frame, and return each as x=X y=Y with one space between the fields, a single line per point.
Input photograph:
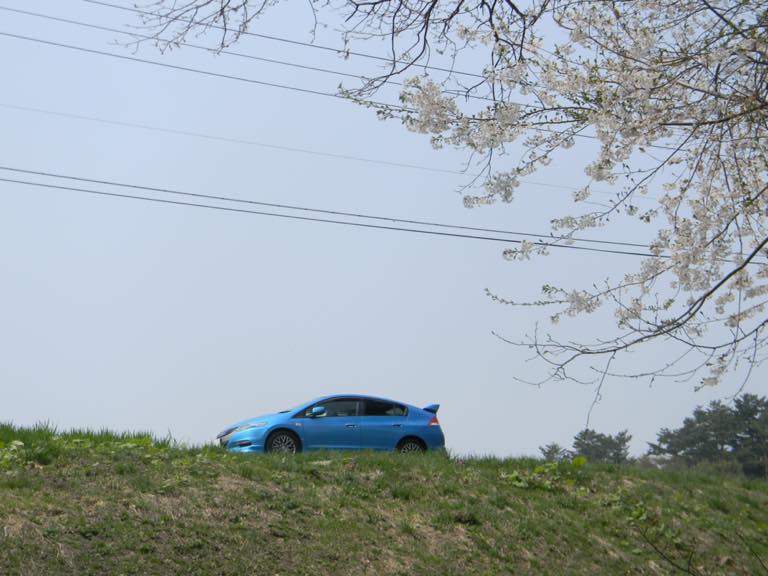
x=336 y=408
x=379 y=408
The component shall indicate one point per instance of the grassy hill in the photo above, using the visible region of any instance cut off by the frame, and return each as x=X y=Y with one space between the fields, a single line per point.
x=99 y=503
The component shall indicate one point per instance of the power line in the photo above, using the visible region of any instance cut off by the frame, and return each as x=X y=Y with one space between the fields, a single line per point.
x=329 y=212
x=286 y=40
x=187 y=44
x=197 y=70
x=243 y=141
x=232 y=140
x=314 y=92
x=274 y=85
x=308 y=209
x=323 y=220
x=239 y=78
x=227 y=52
x=362 y=54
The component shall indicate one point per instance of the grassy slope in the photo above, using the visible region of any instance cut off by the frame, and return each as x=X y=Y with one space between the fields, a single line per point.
x=104 y=504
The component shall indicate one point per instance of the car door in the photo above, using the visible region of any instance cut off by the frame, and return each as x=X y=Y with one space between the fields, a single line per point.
x=337 y=429
x=383 y=424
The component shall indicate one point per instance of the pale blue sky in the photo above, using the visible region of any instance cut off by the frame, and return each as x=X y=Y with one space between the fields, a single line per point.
x=132 y=315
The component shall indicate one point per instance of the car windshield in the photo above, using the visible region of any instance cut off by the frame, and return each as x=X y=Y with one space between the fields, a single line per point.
x=335 y=407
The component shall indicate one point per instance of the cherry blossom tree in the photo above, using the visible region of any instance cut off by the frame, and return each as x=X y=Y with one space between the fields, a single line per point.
x=674 y=92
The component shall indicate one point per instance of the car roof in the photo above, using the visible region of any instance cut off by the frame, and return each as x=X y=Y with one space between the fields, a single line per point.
x=360 y=397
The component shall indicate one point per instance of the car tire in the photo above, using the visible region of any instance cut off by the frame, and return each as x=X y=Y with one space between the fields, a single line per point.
x=411 y=445
x=283 y=442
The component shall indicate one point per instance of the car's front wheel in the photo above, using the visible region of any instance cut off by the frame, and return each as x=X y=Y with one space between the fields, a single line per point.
x=284 y=442
x=411 y=446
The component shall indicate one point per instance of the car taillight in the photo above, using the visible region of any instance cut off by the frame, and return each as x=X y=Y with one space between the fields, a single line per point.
x=434 y=421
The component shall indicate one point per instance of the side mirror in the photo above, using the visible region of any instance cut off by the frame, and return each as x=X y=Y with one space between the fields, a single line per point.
x=318 y=411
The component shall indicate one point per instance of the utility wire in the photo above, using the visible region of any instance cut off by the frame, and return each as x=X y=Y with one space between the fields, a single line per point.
x=271 y=84
x=329 y=212
x=197 y=70
x=309 y=209
x=227 y=52
x=233 y=77
x=232 y=140
x=285 y=40
x=323 y=220
x=218 y=75
x=242 y=141
x=314 y=92
x=362 y=54
x=186 y=44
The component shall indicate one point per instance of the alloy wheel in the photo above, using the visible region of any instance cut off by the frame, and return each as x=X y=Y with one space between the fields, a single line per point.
x=411 y=447
x=283 y=443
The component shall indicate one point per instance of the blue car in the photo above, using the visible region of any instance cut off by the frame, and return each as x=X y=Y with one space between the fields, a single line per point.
x=345 y=422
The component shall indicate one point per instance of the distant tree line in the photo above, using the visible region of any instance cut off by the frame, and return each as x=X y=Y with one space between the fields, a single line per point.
x=725 y=435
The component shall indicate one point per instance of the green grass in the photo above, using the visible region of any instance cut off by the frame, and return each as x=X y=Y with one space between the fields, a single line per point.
x=102 y=503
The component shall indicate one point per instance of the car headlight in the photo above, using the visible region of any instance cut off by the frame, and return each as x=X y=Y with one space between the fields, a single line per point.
x=250 y=426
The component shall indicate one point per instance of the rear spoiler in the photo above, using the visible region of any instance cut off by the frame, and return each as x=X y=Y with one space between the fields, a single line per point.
x=432 y=408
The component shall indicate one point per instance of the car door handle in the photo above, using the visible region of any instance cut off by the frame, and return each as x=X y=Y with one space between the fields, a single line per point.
x=397 y=425
x=351 y=425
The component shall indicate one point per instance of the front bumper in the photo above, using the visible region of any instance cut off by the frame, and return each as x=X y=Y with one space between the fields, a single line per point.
x=246 y=441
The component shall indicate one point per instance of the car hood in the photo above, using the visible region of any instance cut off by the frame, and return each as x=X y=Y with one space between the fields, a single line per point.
x=263 y=418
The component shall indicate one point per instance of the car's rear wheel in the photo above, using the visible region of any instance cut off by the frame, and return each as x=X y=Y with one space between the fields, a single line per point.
x=411 y=446
x=283 y=442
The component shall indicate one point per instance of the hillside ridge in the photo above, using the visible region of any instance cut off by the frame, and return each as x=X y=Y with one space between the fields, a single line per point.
x=104 y=503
